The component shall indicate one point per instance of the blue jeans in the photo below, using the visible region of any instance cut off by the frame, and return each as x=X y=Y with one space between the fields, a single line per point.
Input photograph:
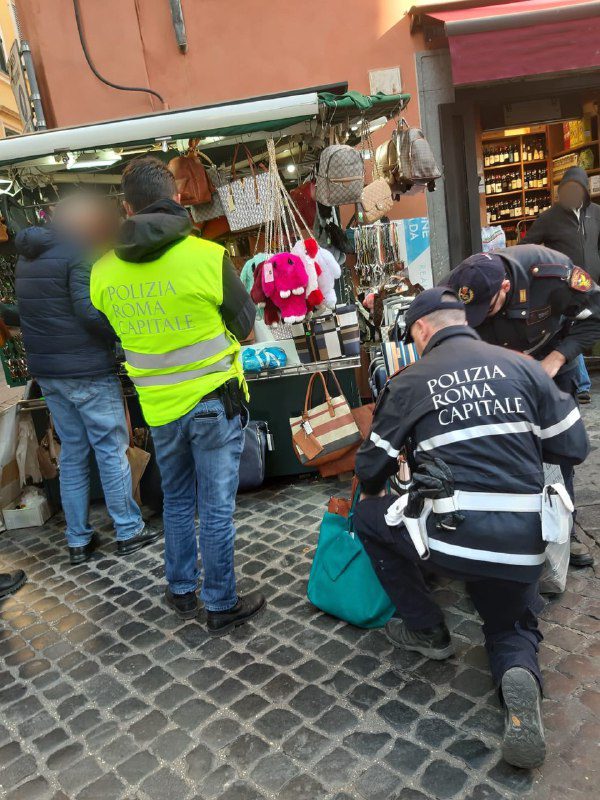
x=199 y=457
x=584 y=383
x=89 y=412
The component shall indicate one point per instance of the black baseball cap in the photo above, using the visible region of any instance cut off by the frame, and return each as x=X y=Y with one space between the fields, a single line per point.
x=441 y=298
x=476 y=281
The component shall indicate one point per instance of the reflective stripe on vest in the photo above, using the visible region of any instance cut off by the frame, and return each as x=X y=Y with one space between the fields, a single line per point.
x=178 y=377
x=190 y=354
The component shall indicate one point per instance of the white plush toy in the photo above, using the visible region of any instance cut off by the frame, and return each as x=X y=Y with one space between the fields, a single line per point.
x=306 y=250
x=330 y=272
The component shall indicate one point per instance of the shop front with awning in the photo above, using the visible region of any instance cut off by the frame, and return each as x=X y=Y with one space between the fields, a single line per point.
x=491 y=69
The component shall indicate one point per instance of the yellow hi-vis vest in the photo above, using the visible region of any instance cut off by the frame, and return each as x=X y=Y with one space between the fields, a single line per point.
x=167 y=315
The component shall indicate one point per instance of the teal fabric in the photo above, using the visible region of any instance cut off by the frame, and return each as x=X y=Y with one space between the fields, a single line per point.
x=247 y=277
x=342 y=580
x=361 y=102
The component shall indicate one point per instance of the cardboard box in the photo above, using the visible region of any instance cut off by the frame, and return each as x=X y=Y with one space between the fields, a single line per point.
x=594 y=184
x=30 y=517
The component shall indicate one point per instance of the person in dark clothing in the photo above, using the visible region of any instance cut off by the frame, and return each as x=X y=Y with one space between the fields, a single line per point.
x=536 y=301
x=180 y=310
x=476 y=423
x=70 y=352
x=572 y=226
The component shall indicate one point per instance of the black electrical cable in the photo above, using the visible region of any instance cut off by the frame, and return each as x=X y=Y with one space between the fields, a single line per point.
x=91 y=65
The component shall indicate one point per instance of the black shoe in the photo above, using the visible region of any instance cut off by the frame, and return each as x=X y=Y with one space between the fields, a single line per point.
x=584 y=398
x=524 y=743
x=147 y=536
x=11 y=582
x=433 y=643
x=580 y=555
x=221 y=622
x=185 y=605
x=79 y=555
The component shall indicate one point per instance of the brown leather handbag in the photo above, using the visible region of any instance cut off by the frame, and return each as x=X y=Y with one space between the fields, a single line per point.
x=193 y=182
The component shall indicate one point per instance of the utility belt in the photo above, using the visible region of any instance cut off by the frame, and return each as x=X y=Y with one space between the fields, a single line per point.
x=553 y=505
x=231 y=395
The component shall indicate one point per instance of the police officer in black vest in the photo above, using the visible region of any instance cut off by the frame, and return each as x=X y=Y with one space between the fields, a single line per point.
x=535 y=300
x=476 y=422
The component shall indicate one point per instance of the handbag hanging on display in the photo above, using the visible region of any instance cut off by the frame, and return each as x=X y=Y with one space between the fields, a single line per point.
x=334 y=335
x=246 y=201
x=376 y=198
x=325 y=432
x=341 y=175
x=396 y=354
x=342 y=580
x=193 y=183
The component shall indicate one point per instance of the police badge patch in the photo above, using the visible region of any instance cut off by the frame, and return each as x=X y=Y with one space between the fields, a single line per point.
x=580 y=280
x=465 y=293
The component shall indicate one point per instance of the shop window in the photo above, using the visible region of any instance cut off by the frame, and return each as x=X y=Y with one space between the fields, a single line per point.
x=3 y=62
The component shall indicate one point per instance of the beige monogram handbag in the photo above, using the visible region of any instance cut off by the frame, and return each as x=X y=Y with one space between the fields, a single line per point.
x=376 y=199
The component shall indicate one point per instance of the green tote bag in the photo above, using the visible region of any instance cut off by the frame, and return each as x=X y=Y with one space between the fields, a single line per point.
x=342 y=580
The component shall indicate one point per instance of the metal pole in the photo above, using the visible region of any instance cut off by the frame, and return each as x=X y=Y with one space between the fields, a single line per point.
x=179 y=25
x=40 y=121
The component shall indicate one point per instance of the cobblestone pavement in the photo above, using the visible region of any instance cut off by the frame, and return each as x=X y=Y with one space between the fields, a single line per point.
x=105 y=694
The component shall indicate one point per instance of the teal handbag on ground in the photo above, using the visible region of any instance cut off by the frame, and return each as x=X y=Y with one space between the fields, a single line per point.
x=342 y=580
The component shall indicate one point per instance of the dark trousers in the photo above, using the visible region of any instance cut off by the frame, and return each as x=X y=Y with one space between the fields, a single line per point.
x=567 y=382
x=508 y=609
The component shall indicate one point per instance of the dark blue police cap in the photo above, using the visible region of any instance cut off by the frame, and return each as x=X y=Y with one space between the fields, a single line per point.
x=441 y=298
x=476 y=281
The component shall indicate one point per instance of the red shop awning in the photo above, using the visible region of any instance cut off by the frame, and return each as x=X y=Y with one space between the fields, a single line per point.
x=516 y=39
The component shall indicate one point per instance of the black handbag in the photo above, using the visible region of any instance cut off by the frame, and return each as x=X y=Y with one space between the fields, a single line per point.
x=252 y=463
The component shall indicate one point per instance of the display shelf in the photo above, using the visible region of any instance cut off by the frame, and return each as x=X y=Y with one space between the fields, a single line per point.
x=510 y=164
x=533 y=163
x=504 y=194
x=539 y=189
x=305 y=369
x=575 y=149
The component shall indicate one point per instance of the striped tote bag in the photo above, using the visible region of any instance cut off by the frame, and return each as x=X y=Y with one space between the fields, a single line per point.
x=325 y=432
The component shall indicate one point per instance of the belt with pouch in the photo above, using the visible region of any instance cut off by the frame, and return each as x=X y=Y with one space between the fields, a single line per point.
x=230 y=395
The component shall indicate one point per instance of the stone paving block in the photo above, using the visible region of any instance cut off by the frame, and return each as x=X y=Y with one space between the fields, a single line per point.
x=443 y=780
x=273 y=771
x=165 y=784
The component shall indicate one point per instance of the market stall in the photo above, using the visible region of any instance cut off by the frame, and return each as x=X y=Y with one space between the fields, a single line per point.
x=264 y=177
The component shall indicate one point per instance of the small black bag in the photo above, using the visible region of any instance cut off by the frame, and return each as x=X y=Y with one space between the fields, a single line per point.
x=252 y=462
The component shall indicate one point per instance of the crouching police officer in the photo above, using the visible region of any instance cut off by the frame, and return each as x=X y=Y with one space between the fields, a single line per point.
x=476 y=422
x=535 y=300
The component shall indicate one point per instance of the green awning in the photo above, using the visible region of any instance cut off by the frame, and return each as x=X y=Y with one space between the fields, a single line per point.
x=339 y=107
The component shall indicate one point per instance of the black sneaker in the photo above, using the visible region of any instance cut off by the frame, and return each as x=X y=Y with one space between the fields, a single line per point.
x=433 y=643
x=524 y=743
x=11 y=582
x=584 y=398
x=221 y=622
x=79 y=555
x=185 y=605
x=147 y=536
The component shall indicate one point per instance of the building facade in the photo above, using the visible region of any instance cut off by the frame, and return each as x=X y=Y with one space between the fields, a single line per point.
x=10 y=121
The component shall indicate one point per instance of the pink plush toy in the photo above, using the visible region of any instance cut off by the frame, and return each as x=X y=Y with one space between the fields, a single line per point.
x=260 y=299
x=307 y=250
x=284 y=281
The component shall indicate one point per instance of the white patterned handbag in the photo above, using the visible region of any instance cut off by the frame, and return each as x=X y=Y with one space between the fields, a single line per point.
x=247 y=201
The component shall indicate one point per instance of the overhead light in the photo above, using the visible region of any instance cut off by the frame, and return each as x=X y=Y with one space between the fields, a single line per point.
x=96 y=160
x=291 y=168
x=212 y=139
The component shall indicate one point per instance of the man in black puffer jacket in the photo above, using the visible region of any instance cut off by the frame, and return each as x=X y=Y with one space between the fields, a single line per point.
x=70 y=352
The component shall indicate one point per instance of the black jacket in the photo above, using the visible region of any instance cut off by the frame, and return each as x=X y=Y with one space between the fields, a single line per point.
x=552 y=305
x=560 y=229
x=147 y=235
x=64 y=335
x=494 y=418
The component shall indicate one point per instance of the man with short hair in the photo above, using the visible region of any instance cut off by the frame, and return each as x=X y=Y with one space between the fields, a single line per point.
x=180 y=310
x=536 y=301
x=476 y=423
x=70 y=352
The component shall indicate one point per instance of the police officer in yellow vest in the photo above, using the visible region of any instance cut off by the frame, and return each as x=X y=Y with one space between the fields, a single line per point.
x=179 y=308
